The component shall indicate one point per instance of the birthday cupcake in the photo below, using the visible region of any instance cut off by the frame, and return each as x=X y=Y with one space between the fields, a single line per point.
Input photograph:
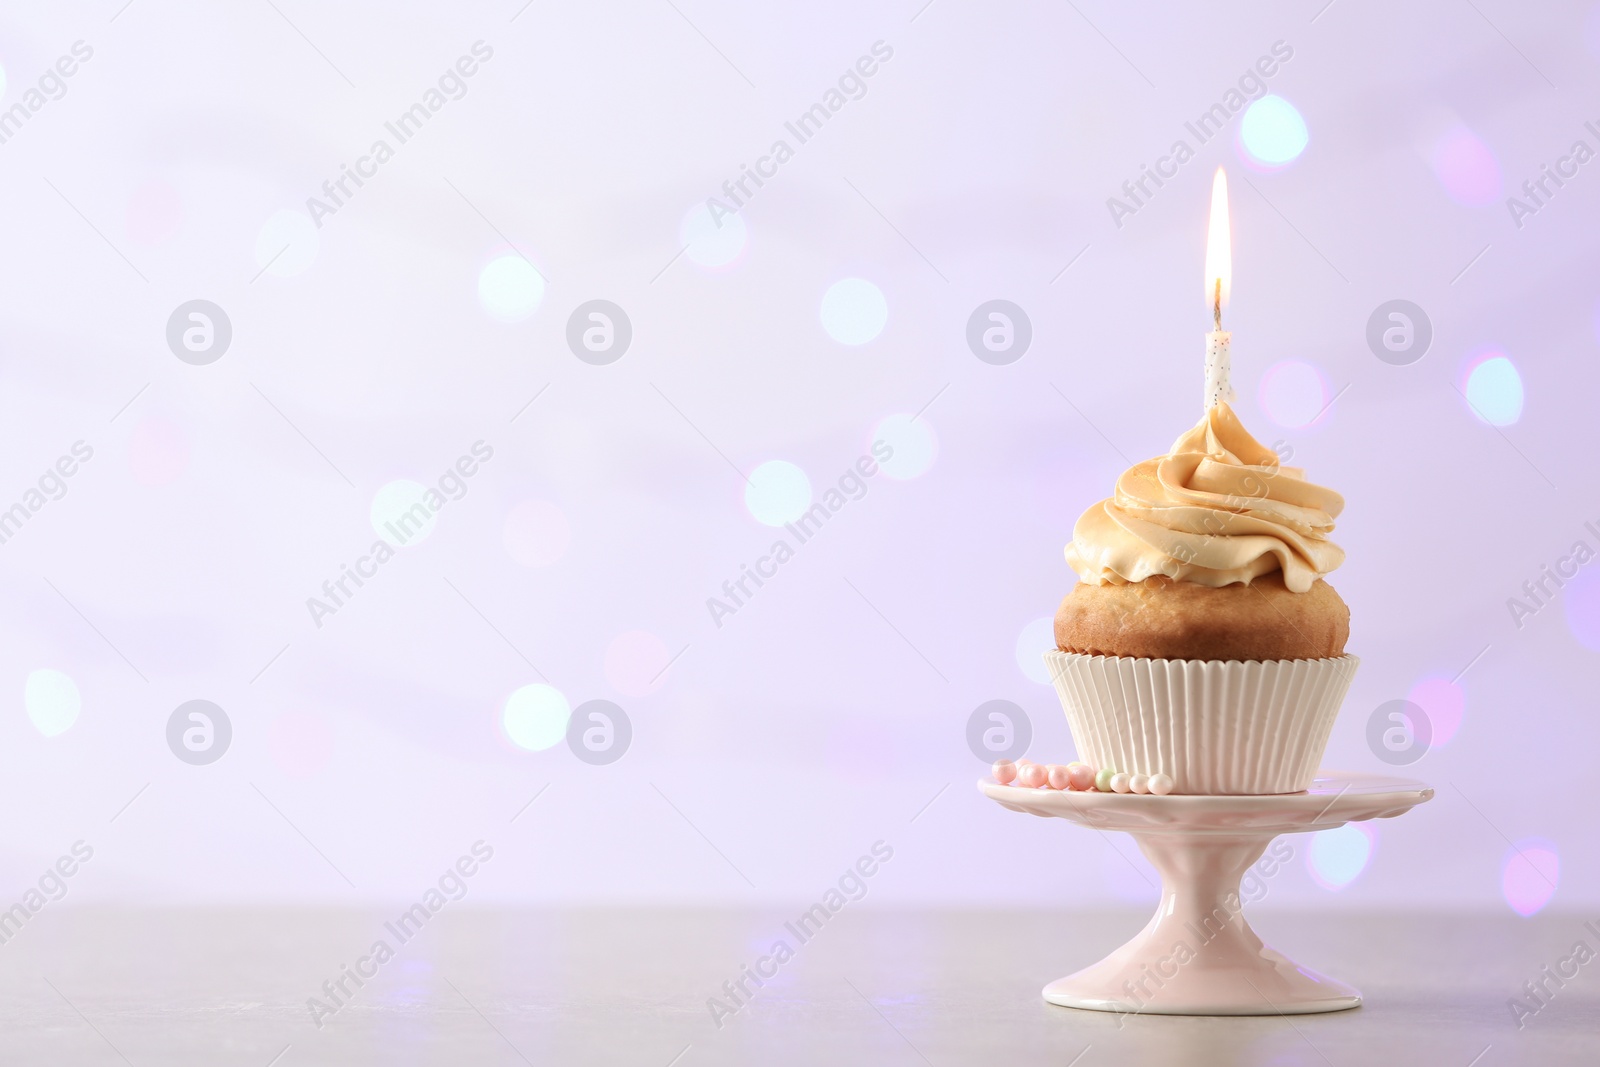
x=1202 y=641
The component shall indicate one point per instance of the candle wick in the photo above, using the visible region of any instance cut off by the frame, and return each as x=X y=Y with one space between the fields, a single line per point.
x=1216 y=306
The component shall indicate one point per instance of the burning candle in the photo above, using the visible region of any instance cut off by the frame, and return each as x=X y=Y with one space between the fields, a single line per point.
x=1219 y=280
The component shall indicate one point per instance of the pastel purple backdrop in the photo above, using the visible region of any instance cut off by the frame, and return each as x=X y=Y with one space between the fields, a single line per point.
x=829 y=711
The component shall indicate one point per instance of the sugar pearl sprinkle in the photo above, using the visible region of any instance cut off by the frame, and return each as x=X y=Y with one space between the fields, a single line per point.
x=1079 y=777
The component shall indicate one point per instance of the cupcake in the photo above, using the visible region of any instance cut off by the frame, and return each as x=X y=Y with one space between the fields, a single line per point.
x=1202 y=641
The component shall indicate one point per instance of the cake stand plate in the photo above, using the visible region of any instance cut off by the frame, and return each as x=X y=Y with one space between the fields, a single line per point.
x=1198 y=956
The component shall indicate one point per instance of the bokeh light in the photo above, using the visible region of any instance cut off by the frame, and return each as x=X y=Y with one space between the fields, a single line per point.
x=1580 y=600
x=536 y=533
x=52 y=700
x=636 y=663
x=913 y=443
x=1272 y=133
x=854 y=311
x=1338 y=856
x=158 y=452
x=1036 y=638
x=510 y=288
x=1293 y=393
x=287 y=244
x=1466 y=168
x=1529 y=875
x=708 y=244
x=301 y=743
x=399 y=513
x=1494 y=390
x=1443 y=701
x=535 y=717
x=155 y=212
x=778 y=492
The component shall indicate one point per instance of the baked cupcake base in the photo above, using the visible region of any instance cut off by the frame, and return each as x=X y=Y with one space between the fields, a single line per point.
x=1216 y=728
x=1161 y=618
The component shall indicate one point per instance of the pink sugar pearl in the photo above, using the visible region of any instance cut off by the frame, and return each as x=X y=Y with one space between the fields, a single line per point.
x=1031 y=775
x=1080 y=776
x=1005 y=772
x=1058 y=776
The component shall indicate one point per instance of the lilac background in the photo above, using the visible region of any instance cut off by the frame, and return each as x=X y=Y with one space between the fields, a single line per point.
x=976 y=167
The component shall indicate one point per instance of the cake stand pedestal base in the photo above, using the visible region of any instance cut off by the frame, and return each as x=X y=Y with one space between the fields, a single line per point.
x=1198 y=956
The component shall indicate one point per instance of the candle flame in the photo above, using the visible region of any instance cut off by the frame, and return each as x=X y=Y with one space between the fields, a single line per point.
x=1219 y=249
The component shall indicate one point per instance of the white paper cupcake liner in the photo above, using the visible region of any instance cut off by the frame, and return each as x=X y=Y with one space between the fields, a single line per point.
x=1217 y=728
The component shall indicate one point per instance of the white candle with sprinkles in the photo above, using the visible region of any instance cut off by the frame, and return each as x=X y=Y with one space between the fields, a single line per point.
x=1219 y=279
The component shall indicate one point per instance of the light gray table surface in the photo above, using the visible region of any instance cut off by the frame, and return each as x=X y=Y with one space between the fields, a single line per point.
x=224 y=988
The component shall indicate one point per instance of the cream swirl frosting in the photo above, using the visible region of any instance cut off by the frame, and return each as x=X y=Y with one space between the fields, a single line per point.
x=1217 y=509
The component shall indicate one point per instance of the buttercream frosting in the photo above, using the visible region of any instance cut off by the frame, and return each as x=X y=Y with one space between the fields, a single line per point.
x=1215 y=510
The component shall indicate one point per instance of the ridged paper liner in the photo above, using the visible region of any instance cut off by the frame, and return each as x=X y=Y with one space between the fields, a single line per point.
x=1217 y=728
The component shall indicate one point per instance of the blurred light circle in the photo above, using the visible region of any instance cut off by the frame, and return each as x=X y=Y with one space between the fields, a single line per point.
x=1443 y=701
x=535 y=717
x=1580 y=600
x=1466 y=168
x=1529 y=875
x=399 y=513
x=708 y=241
x=536 y=533
x=52 y=701
x=778 y=492
x=854 y=311
x=287 y=244
x=636 y=663
x=1494 y=390
x=510 y=288
x=1293 y=393
x=155 y=211
x=301 y=743
x=1272 y=131
x=158 y=452
x=913 y=444
x=1337 y=857
x=1036 y=638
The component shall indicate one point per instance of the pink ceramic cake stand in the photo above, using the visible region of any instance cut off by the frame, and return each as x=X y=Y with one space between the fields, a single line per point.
x=1198 y=956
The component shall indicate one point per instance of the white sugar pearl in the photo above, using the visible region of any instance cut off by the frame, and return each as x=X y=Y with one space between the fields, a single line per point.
x=1160 y=784
x=1120 y=781
x=1140 y=783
